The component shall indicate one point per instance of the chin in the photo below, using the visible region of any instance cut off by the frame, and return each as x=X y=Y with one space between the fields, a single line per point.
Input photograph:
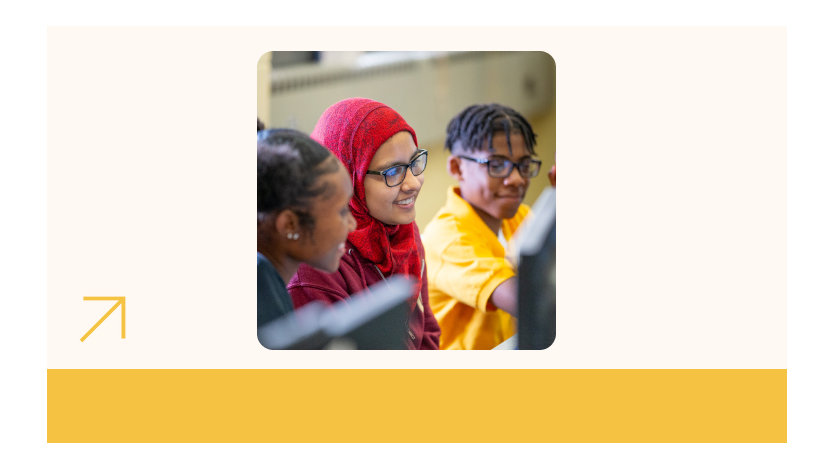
x=508 y=212
x=402 y=219
x=407 y=220
x=330 y=266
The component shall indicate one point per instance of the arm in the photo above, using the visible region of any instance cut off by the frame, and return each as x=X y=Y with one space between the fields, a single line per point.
x=472 y=274
x=422 y=319
x=505 y=296
x=431 y=329
x=303 y=294
x=310 y=285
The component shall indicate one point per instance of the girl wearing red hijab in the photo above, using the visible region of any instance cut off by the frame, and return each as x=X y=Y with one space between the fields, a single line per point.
x=379 y=150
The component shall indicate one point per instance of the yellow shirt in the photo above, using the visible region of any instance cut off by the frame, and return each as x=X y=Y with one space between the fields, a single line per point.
x=465 y=263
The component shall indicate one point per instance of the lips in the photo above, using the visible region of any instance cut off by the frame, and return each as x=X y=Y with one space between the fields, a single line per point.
x=405 y=202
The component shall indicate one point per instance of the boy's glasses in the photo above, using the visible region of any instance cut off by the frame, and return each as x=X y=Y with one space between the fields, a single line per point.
x=499 y=166
x=395 y=175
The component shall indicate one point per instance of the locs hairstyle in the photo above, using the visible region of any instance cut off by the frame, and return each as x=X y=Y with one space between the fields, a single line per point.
x=478 y=123
x=289 y=166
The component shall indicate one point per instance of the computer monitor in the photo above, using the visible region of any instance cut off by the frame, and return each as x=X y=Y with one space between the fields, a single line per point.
x=373 y=319
x=537 y=276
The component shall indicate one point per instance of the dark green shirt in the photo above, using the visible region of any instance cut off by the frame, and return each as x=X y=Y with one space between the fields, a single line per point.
x=273 y=299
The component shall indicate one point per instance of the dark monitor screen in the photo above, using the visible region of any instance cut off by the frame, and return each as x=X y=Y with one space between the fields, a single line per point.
x=373 y=319
x=537 y=276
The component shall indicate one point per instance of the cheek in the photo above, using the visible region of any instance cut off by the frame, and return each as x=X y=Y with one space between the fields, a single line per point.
x=492 y=185
x=379 y=197
x=372 y=201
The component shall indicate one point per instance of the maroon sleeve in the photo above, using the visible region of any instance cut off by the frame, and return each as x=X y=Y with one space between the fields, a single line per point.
x=431 y=330
x=310 y=284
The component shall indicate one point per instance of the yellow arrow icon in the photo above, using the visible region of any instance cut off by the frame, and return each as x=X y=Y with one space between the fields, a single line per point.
x=119 y=301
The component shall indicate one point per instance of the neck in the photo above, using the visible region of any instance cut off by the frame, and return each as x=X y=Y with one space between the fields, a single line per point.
x=285 y=265
x=490 y=221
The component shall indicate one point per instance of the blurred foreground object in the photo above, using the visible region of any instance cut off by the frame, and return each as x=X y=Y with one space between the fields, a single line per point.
x=537 y=276
x=371 y=319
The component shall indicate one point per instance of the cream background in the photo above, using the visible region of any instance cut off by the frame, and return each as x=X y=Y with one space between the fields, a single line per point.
x=671 y=198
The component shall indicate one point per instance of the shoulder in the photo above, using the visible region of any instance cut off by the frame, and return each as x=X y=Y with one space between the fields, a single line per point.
x=347 y=280
x=263 y=263
x=307 y=276
x=441 y=220
x=448 y=228
x=453 y=210
x=267 y=274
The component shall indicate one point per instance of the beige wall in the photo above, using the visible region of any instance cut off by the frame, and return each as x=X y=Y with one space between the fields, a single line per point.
x=428 y=94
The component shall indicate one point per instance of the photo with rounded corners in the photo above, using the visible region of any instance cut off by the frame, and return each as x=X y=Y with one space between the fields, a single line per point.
x=406 y=200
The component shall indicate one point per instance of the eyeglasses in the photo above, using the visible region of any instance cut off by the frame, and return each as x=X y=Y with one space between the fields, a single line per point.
x=395 y=175
x=499 y=166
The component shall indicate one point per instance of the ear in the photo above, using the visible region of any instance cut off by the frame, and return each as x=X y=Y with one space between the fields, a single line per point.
x=286 y=222
x=454 y=168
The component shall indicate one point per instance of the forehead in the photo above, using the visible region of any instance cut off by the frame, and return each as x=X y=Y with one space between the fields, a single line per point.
x=516 y=147
x=336 y=184
x=398 y=149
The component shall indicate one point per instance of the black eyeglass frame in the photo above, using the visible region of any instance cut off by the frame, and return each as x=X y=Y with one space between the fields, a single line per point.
x=410 y=165
x=485 y=161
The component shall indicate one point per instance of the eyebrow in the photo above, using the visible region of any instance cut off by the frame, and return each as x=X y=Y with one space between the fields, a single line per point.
x=522 y=157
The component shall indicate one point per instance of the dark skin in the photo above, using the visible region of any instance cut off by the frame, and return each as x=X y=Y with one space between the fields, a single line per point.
x=277 y=253
x=504 y=296
x=493 y=199
x=286 y=243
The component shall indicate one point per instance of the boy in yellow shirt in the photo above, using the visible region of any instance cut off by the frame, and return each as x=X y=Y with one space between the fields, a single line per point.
x=472 y=286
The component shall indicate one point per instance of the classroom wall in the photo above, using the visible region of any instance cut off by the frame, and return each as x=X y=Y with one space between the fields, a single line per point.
x=427 y=88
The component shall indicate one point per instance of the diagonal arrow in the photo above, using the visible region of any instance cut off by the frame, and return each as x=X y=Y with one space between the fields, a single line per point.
x=119 y=301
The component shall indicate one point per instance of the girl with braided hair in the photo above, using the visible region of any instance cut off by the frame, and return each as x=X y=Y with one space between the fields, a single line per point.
x=303 y=214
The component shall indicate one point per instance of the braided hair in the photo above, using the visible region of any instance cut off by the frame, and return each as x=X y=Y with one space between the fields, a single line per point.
x=478 y=123
x=289 y=166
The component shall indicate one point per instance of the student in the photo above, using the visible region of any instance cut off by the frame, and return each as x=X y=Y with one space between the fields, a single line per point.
x=303 y=214
x=380 y=151
x=472 y=286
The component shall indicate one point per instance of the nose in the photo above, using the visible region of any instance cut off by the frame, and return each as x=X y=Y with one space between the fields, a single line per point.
x=411 y=183
x=515 y=178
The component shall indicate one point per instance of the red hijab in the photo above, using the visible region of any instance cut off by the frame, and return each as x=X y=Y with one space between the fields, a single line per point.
x=354 y=129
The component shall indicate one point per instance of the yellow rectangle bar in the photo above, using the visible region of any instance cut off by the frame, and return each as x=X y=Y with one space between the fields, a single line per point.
x=446 y=405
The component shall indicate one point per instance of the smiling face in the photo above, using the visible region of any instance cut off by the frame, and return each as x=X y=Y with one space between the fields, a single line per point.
x=323 y=246
x=393 y=206
x=494 y=199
